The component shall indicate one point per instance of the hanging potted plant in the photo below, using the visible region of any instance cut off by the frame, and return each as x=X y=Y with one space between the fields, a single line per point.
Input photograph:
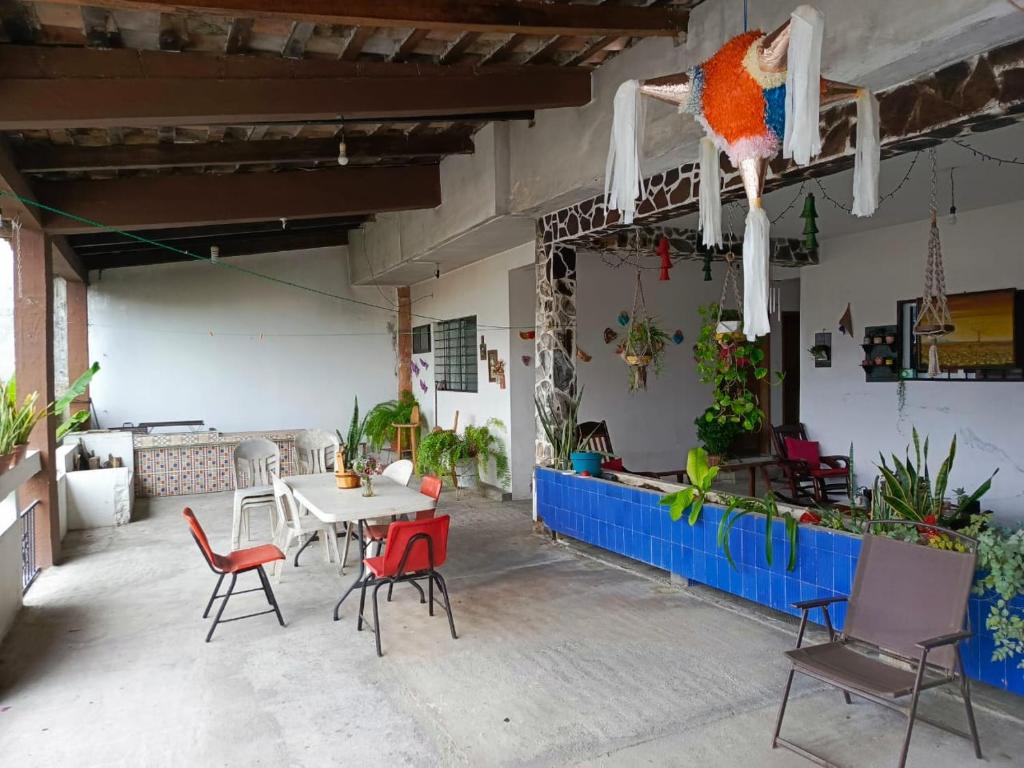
x=729 y=369
x=644 y=347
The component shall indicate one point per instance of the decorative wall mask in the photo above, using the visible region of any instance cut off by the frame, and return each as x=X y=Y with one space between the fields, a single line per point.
x=623 y=318
x=610 y=335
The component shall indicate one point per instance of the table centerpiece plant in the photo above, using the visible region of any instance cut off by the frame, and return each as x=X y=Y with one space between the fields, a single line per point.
x=367 y=467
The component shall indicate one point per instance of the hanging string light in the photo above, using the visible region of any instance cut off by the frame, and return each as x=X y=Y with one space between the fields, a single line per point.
x=934 y=319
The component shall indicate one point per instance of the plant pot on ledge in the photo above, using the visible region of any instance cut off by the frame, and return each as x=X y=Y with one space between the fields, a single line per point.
x=10 y=460
x=467 y=473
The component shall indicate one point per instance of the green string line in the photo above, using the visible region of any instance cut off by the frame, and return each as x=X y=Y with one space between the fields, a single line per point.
x=218 y=263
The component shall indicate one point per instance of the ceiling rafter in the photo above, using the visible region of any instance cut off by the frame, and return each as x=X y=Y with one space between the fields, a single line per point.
x=531 y=17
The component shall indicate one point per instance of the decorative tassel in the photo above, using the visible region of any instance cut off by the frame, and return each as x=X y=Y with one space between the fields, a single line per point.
x=868 y=156
x=755 y=273
x=666 y=262
x=623 y=182
x=710 y=198
x=803 y=85
x=933 y=359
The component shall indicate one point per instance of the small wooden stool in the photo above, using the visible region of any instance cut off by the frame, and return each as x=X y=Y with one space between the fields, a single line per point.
x=413 y=430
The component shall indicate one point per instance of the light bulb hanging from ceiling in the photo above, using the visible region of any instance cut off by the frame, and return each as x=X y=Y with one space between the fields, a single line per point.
x=342 y=149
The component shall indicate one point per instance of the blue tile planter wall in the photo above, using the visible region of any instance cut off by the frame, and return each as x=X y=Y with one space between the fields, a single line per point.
x=630 y=522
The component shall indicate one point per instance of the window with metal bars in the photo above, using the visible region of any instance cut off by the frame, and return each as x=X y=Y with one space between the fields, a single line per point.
x=421 y=339
x=455 y=364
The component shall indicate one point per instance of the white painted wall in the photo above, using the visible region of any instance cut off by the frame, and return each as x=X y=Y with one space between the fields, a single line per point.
x=873 y=270
x=10 y=575
x=653 y=429
x=194 y=341
x=481 y=289
x=522 y=311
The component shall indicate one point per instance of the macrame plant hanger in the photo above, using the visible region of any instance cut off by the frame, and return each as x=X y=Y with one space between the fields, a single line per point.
x=638 y=352
x=934 y=319
x=729 y=330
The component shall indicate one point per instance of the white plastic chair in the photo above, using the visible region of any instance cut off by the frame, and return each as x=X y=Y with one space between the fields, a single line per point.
x=399 y=471
x=293 y=527
x=314 y=451
x=253 y=465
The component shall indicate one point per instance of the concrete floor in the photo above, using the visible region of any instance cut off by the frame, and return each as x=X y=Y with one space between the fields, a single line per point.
x=562 y=660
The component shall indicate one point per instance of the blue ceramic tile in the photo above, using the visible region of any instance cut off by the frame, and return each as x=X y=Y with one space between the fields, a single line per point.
x=762 y=587
x=825 y=565
x=841 y=574
x=700 y=565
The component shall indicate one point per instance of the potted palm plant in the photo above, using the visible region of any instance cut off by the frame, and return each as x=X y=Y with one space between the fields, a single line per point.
x=17 y=421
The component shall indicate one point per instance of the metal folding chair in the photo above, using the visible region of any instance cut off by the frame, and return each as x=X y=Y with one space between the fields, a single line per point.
x=908 y=607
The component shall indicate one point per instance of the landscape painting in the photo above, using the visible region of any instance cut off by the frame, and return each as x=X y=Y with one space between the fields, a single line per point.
x=983 y=337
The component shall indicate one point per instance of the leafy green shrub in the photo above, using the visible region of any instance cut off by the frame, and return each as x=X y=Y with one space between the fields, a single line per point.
x=379 y=422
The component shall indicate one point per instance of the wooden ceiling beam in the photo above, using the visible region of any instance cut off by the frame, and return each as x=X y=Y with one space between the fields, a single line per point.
x=408 y=45
x=356 y=41
x=528 y=17
x=123 y=242
x=239 y=34
x=200 y=199
x=85 y=88
x=270 y=243
x=14 y=187
x=44 y=157
x=454 y=51
x=295 y=45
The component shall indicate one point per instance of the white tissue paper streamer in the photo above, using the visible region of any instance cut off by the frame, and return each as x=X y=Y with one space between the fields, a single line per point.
x=755 y=274
x=868 y=156
x=802 y=139
x=710 y=198
x=623 y=182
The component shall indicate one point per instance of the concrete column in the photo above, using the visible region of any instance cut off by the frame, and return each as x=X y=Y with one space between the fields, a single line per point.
x=404 y=340
x=78 y=338
x=33 y=365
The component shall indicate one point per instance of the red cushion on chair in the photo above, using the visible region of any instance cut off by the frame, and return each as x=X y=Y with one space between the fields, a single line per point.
x=829 y=471
x=615 y=465
x=243 y=559
x=804 y=450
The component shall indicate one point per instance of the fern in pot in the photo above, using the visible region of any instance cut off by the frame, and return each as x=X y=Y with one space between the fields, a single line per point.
x=446 y=454
x=379 y=426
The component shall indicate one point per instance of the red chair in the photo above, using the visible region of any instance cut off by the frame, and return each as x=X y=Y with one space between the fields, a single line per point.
x=239 y=561
x=808 y=475
x=413 y=552
x=430 y=487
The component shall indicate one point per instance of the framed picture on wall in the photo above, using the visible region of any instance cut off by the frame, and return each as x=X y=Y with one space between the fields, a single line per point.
x=492 y=365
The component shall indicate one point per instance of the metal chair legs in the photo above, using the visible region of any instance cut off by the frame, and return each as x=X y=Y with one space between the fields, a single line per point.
x=432 y=578
x=264 y=587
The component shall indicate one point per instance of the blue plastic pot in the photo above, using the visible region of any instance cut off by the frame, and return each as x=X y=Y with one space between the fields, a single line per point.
x=586 y=461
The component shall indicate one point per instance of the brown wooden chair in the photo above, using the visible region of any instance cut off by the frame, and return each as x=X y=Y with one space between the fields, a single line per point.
x=908 y=607
x=808 y=480
x=595 y=437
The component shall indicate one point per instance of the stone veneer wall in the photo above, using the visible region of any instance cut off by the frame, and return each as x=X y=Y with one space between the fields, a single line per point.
x=630 y=522
x=197 y=462
x=556 y=331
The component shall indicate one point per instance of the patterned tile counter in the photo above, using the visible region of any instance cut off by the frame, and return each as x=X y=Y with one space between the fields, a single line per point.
x=183 y=463
x=629 y=521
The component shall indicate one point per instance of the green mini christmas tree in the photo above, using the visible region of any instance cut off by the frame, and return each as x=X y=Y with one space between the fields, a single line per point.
x=810 y=216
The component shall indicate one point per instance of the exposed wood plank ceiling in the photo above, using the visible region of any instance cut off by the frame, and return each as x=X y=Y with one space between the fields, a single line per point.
x=115 y=109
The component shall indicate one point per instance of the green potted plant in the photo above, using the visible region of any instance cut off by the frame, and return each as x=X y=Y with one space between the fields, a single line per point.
x=482 y=445
x=561 y=428
x=716 y=436
x=379 y=425
x=906 y=490
x=444 y=453
x=348 y=444
x=17 y=421
x=644 y=347
x=728 y=368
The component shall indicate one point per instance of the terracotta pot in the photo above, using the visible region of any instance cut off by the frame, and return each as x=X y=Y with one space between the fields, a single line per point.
x=9 y=461
x=714 y=459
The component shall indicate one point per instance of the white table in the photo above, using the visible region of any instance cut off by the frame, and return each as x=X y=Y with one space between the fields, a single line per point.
x=321 y=496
